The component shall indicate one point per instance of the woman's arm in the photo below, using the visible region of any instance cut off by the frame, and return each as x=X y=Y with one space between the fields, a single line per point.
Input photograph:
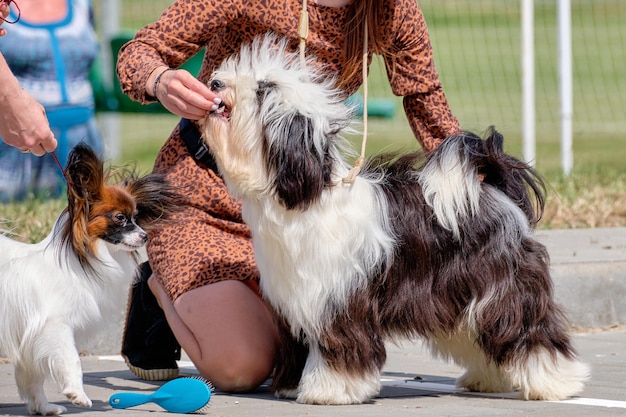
x=163 y=45
x=413 y=75
x=23 y=122
x=430 y=117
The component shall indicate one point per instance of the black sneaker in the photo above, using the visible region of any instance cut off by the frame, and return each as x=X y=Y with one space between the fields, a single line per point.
x=149 y=346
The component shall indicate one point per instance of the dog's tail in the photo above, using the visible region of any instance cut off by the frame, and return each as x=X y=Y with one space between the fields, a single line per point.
x=454 y=174
x=518 y=180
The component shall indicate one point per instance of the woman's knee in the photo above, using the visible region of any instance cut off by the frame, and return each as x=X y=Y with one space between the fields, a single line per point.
x=238 y=371
x=233 y=337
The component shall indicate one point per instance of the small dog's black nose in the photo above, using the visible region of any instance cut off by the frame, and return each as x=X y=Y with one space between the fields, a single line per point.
x=217 y=85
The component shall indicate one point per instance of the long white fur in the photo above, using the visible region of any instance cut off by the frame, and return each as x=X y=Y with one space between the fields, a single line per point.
x=322 y=385
x=340 y=265
x=283 y=237
x=313 y=260
x=452 y=189
x=263 y=61
x=48 y=304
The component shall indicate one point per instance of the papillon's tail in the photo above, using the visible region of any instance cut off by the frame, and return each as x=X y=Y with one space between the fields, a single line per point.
x=455 y=172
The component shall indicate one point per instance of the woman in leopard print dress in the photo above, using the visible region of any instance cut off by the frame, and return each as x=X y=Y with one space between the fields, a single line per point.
x=203 y=270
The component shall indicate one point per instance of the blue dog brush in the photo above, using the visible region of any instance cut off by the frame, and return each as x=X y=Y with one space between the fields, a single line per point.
x=181 y=395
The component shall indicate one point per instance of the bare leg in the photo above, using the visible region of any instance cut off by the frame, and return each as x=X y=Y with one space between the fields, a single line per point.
x=227 y=331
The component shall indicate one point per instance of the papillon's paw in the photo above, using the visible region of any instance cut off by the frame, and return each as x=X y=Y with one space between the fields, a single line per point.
x=45 y=409
x=77 y=397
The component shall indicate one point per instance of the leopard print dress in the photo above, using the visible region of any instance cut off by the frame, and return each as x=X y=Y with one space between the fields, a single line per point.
x=208 y=241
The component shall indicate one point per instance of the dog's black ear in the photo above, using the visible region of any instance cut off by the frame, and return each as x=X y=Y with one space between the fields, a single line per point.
x=301 y=169
x=85 y=176
x=84 y=172
x=156 y=200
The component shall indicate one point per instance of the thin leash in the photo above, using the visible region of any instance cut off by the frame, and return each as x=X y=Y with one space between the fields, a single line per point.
x=358 y=164
x=303 y=33
x=56 y=158
x=65 y=176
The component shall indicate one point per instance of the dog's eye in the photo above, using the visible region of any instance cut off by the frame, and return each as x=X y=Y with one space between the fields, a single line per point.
x=265 y=85
x=119 y=218
x=217 y=85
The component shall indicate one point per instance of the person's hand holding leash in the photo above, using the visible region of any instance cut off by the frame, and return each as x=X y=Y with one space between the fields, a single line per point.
x=23 y=122
x=4 y=12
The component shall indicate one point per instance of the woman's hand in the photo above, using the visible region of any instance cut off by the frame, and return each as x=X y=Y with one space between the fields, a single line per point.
x=4 y=12
x=23 y=123
x=181 y=93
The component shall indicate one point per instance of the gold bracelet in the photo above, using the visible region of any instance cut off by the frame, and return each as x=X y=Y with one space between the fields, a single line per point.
x=157 y=81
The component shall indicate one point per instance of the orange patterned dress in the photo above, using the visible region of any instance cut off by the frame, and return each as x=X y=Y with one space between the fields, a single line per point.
x=208 y=241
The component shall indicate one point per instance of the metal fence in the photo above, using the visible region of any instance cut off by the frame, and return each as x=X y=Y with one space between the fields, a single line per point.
x=478 y=53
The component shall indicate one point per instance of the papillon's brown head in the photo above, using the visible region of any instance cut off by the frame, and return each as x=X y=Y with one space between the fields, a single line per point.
x=119 y=214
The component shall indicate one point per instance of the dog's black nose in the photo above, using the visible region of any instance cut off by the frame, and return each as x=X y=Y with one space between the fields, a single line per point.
x=217 y=85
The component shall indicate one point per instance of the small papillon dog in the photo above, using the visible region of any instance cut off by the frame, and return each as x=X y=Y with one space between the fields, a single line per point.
x=61 y=290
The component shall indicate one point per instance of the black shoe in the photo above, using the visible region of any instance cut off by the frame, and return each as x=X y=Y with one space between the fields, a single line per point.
x=149 y=346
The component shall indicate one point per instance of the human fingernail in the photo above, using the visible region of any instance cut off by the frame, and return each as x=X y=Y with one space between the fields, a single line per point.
x=217 y=100
x=214 y=107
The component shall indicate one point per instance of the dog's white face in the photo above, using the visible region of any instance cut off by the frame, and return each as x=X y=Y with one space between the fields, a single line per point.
x=120 y=232
x=275 y=123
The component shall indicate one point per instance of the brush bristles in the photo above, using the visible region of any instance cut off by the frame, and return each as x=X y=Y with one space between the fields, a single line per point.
x=204 y=409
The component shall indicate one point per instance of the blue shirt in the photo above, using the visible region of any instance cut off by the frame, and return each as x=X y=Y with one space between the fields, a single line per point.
x=52 y=62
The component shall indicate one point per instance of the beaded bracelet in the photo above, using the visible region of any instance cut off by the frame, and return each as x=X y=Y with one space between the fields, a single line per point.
x=157 y=81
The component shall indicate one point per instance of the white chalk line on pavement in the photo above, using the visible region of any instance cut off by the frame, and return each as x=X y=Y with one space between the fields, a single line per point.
x=447 y=388
x=188 y=366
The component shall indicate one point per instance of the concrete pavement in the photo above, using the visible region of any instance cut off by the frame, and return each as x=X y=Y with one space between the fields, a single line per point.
x=413 y=385
x=589 y=272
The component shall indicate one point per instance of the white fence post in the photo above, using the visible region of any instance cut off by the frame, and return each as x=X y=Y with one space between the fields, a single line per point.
x=109 y=122
x=566 y=83
x=528 y=81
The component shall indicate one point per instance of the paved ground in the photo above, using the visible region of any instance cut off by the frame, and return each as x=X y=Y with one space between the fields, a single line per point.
x=589 y=271
x=589 y=274
x=413 y=385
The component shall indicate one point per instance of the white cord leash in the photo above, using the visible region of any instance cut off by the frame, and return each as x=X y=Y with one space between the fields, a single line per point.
x=303 y=29
x=358 y=164
x=303 y=33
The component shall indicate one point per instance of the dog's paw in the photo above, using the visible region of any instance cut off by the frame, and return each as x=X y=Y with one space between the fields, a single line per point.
x=335 y=397
x=291 y=394
x=77 y=397
x=485 y=382
x=45 y=409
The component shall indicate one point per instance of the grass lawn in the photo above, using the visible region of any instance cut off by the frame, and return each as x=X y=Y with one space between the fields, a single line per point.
x=480 y=70
x=594 y=195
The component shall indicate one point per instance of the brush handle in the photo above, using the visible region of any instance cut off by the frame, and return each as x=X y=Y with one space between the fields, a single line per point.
x=130 y=399
x=180 y=395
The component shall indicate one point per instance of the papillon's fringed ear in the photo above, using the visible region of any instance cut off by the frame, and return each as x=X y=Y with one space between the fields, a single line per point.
x=85 y=174
x=156 y=200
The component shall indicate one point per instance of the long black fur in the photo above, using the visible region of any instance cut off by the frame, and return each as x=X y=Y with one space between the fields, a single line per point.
x=433 y=278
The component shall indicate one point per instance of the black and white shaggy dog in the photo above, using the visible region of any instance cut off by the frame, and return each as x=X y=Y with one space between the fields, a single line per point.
x=439 y=248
